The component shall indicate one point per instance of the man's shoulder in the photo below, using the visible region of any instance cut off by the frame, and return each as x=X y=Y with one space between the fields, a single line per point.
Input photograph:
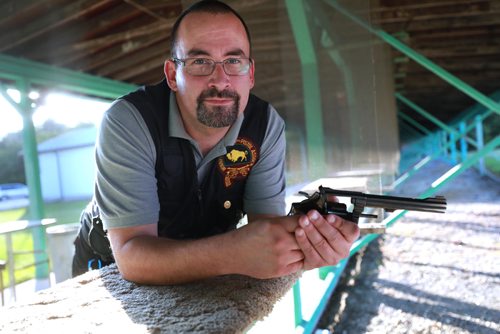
x=123 y=115
x=257 y=103
x=152 y=92
x=120 y=109
x=271 y=111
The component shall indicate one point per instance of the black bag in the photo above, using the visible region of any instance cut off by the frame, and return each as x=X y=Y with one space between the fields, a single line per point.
x=92 y=247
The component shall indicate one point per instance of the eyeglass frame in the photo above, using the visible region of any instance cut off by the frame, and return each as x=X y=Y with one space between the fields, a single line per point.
x=215 y=63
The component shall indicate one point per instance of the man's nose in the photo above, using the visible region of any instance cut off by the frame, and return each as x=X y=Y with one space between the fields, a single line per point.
x=219 y=78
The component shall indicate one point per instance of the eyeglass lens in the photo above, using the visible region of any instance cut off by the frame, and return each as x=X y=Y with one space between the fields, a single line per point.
x=206 y=66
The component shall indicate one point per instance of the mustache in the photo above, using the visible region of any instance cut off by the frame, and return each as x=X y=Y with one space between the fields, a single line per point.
x=213 y=92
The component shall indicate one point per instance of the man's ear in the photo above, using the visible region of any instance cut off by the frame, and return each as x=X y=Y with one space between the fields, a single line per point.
x=170 y=70
x=252 y=74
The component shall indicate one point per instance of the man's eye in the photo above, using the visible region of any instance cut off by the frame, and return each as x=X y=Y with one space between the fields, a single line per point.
x=233 y=61
x=200 y=61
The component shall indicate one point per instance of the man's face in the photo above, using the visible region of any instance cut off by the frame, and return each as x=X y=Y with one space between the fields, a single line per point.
x=214 y=100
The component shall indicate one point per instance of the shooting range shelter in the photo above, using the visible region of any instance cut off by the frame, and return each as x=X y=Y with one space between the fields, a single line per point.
x=368 y=89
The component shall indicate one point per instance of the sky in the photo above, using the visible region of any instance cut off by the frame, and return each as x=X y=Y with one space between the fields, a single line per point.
x=66 y=109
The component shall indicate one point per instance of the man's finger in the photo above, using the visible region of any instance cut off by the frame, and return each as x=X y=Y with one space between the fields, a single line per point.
x=319 y=232
x=311 y=257
x=328 y=232
x=290 y=223
x=348 y=229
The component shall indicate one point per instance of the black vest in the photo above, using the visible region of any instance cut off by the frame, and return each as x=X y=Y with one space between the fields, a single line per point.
x=189 y=209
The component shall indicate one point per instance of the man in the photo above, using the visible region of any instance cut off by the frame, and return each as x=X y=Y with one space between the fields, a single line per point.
x=178 y=166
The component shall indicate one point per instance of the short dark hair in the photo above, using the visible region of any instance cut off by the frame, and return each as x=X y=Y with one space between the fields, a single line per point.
x=205 y=6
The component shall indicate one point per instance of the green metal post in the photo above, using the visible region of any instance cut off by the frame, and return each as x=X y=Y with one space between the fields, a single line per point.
x=453 y=147
x=311 y=87
x=425 y=62
x=312 y=323
x=297 y=304
x=463 y=142
x=446 y=143
x=438 y=144
x=32 y=172
x=480 y=141
x=324 y=271
x=329 y=40
x=25 y=73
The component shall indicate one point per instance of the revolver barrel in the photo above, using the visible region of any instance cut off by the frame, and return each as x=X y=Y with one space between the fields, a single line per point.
x=390 y=203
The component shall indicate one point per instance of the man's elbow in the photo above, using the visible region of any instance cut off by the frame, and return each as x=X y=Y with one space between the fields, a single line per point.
x=129 y=248
x=131 y=275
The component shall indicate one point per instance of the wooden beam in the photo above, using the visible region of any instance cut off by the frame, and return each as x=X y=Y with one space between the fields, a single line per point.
x=45 y=23
x=483 y=21
x=135 y=60
x=456 y=13
x=117 y=53
x=152 y=76
x=444 y=36
x=124 y=36
x=15 y=12
x=121 y=16
x=144 y=8
x=156 y=61
x=461 y=51
x=430 y=5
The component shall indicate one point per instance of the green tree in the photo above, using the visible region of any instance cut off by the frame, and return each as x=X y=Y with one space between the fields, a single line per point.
x=48 y=130
x=11 y=159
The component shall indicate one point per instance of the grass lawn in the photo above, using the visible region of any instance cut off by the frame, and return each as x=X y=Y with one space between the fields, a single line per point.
x=63 y=212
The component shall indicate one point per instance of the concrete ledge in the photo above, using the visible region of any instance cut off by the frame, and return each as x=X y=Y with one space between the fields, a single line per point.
x=102 y=302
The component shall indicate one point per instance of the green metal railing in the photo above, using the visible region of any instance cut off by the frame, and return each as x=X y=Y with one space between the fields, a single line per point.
x=310 y=325
x=23 y=75
x=450 y=144
x=490 y=109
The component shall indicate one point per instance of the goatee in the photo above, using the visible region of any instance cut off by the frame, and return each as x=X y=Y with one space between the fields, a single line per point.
x=217 y=116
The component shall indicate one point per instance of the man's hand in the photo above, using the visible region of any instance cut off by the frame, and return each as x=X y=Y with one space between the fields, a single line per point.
x=324 y=240
x=267 y=248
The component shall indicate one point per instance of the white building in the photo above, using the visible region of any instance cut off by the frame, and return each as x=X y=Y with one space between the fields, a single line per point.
x=67 y=167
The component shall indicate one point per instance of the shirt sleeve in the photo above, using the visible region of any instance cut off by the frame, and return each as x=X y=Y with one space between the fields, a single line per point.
x=265 y=187
x=125 y=187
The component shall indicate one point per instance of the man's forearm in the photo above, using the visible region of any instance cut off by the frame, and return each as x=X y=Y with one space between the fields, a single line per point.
x=264 y=249
x=159 y=261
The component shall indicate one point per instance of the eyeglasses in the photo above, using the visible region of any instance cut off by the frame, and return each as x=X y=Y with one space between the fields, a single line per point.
x=206 y=66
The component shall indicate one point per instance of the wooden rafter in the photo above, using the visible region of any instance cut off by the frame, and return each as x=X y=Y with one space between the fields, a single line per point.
x=53 y=20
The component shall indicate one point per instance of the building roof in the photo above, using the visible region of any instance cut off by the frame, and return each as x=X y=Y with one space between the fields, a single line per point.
x=80 y=137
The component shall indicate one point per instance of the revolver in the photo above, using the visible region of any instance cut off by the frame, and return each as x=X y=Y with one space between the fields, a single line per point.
x=319 y=201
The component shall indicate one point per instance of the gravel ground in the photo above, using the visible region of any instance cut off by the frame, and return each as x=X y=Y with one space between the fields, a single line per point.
x=429 y=273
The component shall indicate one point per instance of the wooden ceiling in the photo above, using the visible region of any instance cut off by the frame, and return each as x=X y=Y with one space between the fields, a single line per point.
x=127 y=40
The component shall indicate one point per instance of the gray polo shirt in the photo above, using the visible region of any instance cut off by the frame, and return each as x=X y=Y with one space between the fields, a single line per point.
x=125 y=187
